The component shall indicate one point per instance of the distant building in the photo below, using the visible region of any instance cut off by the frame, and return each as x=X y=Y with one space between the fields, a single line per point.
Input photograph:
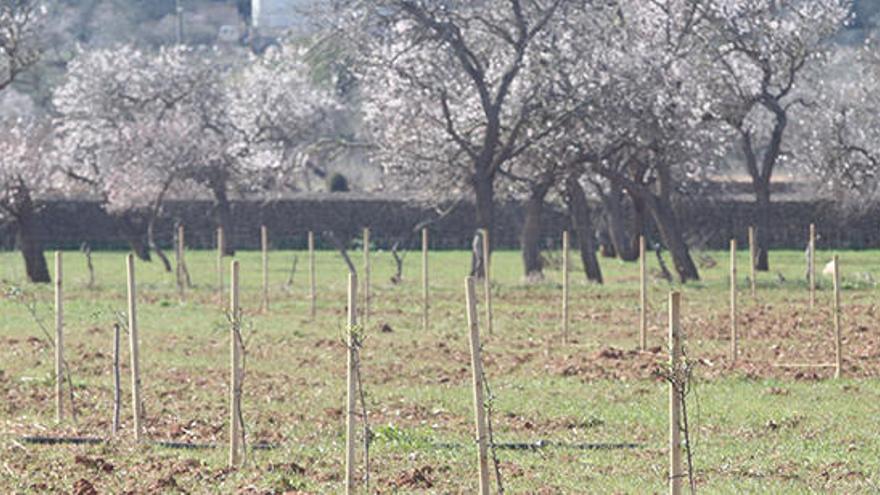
x=278 y=15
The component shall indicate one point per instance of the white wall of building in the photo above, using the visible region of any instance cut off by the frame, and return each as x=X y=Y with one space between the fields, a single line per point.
x=280 y=14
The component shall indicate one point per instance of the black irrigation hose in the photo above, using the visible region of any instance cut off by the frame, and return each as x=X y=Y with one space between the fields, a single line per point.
x=543 y=444
x=539 y=445
x=61 y=440
x=158 y=443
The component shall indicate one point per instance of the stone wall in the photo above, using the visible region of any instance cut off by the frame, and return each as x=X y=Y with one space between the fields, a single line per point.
x=68 y=224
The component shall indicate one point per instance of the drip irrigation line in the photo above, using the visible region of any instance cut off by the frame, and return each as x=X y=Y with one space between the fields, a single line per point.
x=158 y=443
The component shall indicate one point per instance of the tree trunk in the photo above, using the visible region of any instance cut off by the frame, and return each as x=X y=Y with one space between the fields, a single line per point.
x=639 y=225
x=673 y=238
x=530 y=237
x=581 y=219
x=151 y=239
x=28 y=240
x=762 y=225
x=761 y=171
x=223 y=214
x=131 y=230
x=606 y=245
x=613 y=205
x=484 y=191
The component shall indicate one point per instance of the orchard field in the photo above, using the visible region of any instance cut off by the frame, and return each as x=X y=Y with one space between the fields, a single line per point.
x=594 y=410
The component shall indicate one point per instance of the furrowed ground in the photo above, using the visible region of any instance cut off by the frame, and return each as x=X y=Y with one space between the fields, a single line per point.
x=756 y=427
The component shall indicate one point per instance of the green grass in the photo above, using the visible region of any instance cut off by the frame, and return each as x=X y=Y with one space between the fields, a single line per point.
x=757 y=428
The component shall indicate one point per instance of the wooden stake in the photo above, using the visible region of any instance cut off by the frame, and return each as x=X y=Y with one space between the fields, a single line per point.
x=487 y=279
x=135 y=353
x=366 y=276
x=59 y=340
x=643 y=294
x=351 y=382
x=734 y=351
x=264 y=243
x=477 y=369
x=811 y=265
x=674 y=396
x=752 y=259
x=312 y=292
x=221 y=243
x=117 y=386
x=565 y=253
x=426 y=304
x=838 y=351
x=179 y=252
x=235 y=369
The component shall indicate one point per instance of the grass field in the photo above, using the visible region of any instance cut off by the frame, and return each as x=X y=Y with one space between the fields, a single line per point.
x=757 y=428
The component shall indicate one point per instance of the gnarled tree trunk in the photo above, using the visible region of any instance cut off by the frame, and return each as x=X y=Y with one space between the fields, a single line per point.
x=606 y=246
x=581 y=219
x=659 y=205
x=761 y=172
x=223 y=214
x=639 y=226
x=131 y=230
x=762 y=225
x=612 y=202
x=673 y=237
x=28 y=239
x=151 y=239
x=484 y=190
x=530 y=237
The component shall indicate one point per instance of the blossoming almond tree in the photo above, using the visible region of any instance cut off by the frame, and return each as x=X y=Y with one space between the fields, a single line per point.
x=20 y=29
x=26 y=177
x=841 y=144
x=446 y=91
x=285 y=117
x=759 y=49
x=640 y=127
x=140 y=125
x=127 y=128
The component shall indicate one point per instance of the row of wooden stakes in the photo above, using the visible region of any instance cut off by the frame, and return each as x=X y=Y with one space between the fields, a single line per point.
x=236 y=427
x=734 y=333
x=180 y=250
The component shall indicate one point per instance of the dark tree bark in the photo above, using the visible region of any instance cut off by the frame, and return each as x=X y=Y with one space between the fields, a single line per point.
x=131 y=230
x=762 y=225
x=659 y=205
x=581 y=219
x=151 y=239
x=484 y=190
x=606 y=247
x=28 y=239
x=672 y=236
x=155 y=211
x=223 y=213
x=761 y=171
x=530 y=237
x=639 y=226
x=612 y=203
